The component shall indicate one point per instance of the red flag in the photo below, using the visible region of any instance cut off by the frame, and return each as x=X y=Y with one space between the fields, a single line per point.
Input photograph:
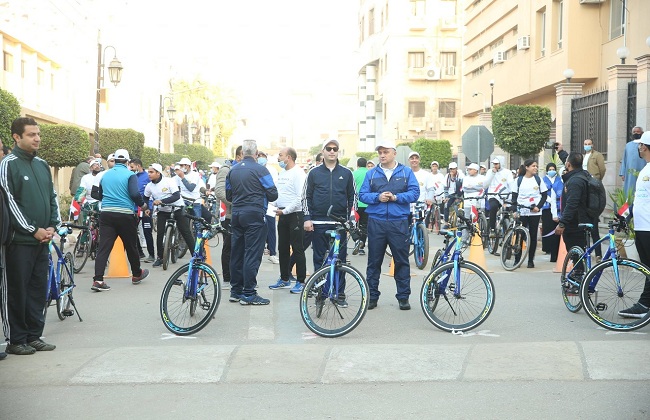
x=474 y=214
x=624 y=210
x=75 y=209
x=353 y=213
x=222 y=211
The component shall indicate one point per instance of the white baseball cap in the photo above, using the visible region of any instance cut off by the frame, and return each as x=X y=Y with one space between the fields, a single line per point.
x=496 y=160
x=436 y=162
x=473 y=166
x=645 y=138
x=121 y=154
x=385 y=145
x=326 y=142
x=184 y=161
x=215 y=165
x=453 y=165
x=414 y=154
x=95 y=162
x=111 y=157
x=157 y=167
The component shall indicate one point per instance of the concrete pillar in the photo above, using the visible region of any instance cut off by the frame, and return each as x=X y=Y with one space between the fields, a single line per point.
x=619 y=77
x=361 y=92
x=371 y=81
x=643 y=91
x=564 y=92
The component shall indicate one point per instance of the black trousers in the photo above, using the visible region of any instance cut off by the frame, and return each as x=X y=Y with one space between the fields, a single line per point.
x=182 y=224
x=23 y=290
x=494 y=208
x=226 y=250
x=363 y=225
x=248 y=239
x=532 y=224
x=290 y=237
x=642 y=241
x=551 y=243
x=111 y=226
x=148 y=235
x=595 y=236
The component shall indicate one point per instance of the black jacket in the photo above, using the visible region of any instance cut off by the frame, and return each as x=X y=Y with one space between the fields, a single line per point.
x=574 y=199
x=250 y=187
x=325 y=188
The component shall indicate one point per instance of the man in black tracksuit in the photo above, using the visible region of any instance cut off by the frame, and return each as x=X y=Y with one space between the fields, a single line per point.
x=32 y=200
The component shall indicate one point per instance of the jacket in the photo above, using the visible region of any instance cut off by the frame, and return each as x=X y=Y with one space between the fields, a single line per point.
x=250 y=187
x=596 y=165
x=78 y=172
x=27 y=180
x=402 y=183
x=325 y=188
x=220 y=186
x=574 y=199
x=119 y=191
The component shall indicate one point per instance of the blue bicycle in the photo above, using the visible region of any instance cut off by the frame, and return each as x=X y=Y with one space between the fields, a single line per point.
x=457 y=295
x=419 y=236
x=61 y=276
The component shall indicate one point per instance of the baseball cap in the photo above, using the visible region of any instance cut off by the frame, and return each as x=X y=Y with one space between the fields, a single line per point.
x=95 y=162
x=645 y=138
x=496 y=160
x=385 y=145
x=216 y=164
x=122 y=154
x=473 y=166
x=326 y=142
x=184 y=161
x=157 y=167
x=111 y=157
x=436 y=162
x=483 y=165
x=414 y=154
x=453 y=165
x=177 y=167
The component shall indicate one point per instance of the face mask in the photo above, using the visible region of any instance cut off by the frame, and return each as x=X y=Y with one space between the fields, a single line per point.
x=636 y=136
x=282 y=164
x=587 y=148
x=262 y=161
x=551 y=173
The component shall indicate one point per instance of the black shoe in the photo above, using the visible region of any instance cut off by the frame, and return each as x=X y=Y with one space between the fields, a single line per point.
x=20 y=349
x=372 y=304
x=40 y=345
x=2 y=355
x=362 y=252
x=404 y=304
x=530 y=264
x=142 y=256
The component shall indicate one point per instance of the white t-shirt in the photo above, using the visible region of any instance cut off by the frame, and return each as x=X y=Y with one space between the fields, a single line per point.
x=642 y=200
x=499 y=182
x=163 y=189
x=426 y=181
x=87 y=182
x=290 y=184
x=529 y=193
x=192 y=177
x=270 y=210
x=438 y=186
x=473 y=186
x=585 y=160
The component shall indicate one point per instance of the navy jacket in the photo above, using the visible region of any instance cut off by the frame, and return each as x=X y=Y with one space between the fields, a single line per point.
x=402 y=183
x=249 y=187
x=325 y=188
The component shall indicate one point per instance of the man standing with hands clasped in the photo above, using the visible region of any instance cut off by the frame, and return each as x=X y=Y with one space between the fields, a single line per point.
x=388 y=189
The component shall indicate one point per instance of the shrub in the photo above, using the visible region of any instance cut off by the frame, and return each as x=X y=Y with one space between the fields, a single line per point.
x=430 y=150
x=111 y=139
x=9 y=111
x=521 y=130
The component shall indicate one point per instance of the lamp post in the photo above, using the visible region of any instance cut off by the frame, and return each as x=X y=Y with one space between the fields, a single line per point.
x=622 y=53
x=171 y=112
x=491 y=94
x=115 y=76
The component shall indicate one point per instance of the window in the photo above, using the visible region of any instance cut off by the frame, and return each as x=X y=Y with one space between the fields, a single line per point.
x=40 y=76
x=416 y=60
x=8 y=62
x=371 y=22
x=416 y=109
x=361 y=30
x=559 y=20
x=418 y=7
x=541 y=32
x=447 y=109
x=447 y=59
x=616 y=19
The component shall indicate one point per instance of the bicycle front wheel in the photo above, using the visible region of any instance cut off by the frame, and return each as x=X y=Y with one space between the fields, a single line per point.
x=81 y=250
x=173 y=247
x=605 y=293
x=421 y=248
x=167 y=246
x=571 y=278
x=334 y=307
x=483 y=227
x=450 y=308
x=185 y=313
x=515 y=247
x=64 y=303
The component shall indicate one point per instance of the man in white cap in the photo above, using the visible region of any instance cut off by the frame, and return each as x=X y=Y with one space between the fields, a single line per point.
x=388 y=189
x=473 y=187
x=453 y=187
x=425 y=179
x=498 y=181
x=190 y=183
x=483 y=169
x=212 y=179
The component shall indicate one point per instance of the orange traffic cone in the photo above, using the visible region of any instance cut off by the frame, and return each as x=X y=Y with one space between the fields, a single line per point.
x=117 y=266
x=476 y=252
x=391 y=267
x=561 y=255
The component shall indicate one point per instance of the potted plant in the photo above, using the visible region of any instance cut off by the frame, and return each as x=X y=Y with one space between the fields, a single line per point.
x=624 y=242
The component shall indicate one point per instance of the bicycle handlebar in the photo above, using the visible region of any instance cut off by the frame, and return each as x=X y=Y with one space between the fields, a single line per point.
x=216 y=228
x=349 y=227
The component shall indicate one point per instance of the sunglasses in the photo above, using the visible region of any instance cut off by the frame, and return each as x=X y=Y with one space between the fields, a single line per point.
x=332 y=149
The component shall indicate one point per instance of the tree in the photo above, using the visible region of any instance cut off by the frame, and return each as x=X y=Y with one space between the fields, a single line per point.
x=9 y=111
x=63 y=145
x=314 y=150
x=521 y=130
x=430 y=150
x=149 y=155
x=196 y=153
x=120 y=138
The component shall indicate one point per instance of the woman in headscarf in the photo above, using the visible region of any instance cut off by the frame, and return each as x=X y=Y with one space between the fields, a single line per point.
x=551 y=211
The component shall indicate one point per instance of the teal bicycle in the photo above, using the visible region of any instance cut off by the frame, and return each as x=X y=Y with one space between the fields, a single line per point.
x=419 y=236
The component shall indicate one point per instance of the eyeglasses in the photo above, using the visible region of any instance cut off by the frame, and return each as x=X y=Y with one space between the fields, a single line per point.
x=332 y=149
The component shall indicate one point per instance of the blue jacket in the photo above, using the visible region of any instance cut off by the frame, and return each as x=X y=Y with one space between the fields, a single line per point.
x=250 y=187
x=118 y=190
x=325 y=188
x=402 y=183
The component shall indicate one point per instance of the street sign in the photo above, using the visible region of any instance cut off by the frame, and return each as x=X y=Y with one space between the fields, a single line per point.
x=478 y=143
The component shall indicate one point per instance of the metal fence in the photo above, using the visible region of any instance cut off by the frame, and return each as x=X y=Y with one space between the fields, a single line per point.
x=589 y=121
x=631 y=108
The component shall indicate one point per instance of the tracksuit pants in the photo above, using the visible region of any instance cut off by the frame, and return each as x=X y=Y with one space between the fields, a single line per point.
x=247 y=248
x=395 y=234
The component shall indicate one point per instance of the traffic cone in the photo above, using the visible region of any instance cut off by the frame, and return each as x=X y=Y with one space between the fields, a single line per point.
x=561 y=255
x=391 y=268
x=208 y=257
x=476 y=251
x=117 y=266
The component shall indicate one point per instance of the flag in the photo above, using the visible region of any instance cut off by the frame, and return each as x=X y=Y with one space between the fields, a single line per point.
x=222 y=211
x=75 y=209
x=353 y=213
x=624 y=210
x=474 y=214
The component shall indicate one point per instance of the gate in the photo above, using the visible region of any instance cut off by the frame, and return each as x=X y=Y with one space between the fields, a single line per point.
x=589 y=121
x=631 y=108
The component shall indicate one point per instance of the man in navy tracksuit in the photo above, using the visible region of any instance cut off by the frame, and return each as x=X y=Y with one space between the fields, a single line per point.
x=249 y=187
x=389 y=189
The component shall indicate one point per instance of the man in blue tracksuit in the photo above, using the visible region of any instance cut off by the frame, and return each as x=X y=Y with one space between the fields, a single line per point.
x=249 y=187
x=388 y=189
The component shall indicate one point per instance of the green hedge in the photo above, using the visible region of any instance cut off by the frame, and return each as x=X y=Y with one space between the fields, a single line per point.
x=63 y=145
x=430 y=150
x=196 y=153
x=111 y=139
x=149 y=155
x=521 y=130
x=9 y=111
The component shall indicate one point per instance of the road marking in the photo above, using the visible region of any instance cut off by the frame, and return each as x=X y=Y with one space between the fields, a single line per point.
x=484 y=333
x=309 y=335
x=168 y=336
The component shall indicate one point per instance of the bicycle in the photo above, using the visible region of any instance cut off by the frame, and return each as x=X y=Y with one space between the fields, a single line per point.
x=192 y=293
x=613 y=285
x=482 y=221
x=515 y=244
x=330 y=304
x=61 y=278
x=419 y=237
x=172 y=239
x=502 y=225
x=466 y=288
x=433 y=214
x=87 y=241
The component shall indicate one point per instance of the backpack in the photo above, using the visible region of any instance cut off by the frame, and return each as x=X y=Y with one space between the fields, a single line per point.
x=596 y=197
x=537 y=178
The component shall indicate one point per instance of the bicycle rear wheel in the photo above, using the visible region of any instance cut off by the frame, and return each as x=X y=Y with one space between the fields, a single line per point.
x=64 y=303
x=449 y=312
x=184 y=314
x=604 y=294
x=173 y=247
x=515 y=247
x=329 y=312
x=167 y=247
x=483 y=227
x=434 y=222
x=571 y=278
x=421 y=248
x=436 y=259
x=82 y=250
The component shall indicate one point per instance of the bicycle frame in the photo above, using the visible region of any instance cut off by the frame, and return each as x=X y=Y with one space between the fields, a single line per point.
x=54 y=276
x=192 y=288
x=611 y=253
x=456 y=243
x=332 y=260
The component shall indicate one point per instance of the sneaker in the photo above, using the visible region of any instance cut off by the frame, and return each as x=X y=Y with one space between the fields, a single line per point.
x=20 y=349
x=143 y=275
x=341 y=302
x=637 y=310
x=40 y=345
x=253 y=300
x=297 y=288
x=357 y=248
x=150 y=259
x=225 y=285
x=372 y=304
x=3 y=355
x=292 y=278
x=280 y=284
x=531 y=264
x=274 y=259
x=362 y=252
x=404 y=304
x=234 y=297
x=157 y=263
x=100 y=286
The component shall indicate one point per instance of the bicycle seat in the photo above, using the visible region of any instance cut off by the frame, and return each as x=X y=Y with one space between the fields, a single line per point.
x=585 y=226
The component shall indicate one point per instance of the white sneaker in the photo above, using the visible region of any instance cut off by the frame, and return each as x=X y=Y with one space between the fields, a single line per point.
x=274 y=259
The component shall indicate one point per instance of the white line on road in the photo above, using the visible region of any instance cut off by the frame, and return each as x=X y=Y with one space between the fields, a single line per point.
x=168 y=336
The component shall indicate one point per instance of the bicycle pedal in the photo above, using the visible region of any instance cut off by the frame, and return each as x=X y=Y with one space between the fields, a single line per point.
x=67 y=312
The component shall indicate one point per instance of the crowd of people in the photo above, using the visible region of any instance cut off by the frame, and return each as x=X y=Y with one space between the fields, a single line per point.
x=291 y=208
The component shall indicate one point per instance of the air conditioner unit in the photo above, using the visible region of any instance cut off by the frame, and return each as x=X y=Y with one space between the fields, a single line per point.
x=523 y=43
x=591 y=1
x=499 y=57
x=433 y=73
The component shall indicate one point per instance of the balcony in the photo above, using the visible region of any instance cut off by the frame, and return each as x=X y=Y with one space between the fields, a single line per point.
x=448 y=124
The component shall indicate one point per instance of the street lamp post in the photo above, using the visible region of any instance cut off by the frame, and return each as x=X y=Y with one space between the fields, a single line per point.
x=171 y=112
x=115 y=76
x=491 y=94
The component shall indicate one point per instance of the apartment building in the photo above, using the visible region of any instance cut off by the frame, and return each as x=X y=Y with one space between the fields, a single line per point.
x=409 y=83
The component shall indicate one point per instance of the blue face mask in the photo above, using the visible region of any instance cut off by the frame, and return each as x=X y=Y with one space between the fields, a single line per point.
x=587 y=148
x=262 y=161
x=551 y=173
x=282 y=164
